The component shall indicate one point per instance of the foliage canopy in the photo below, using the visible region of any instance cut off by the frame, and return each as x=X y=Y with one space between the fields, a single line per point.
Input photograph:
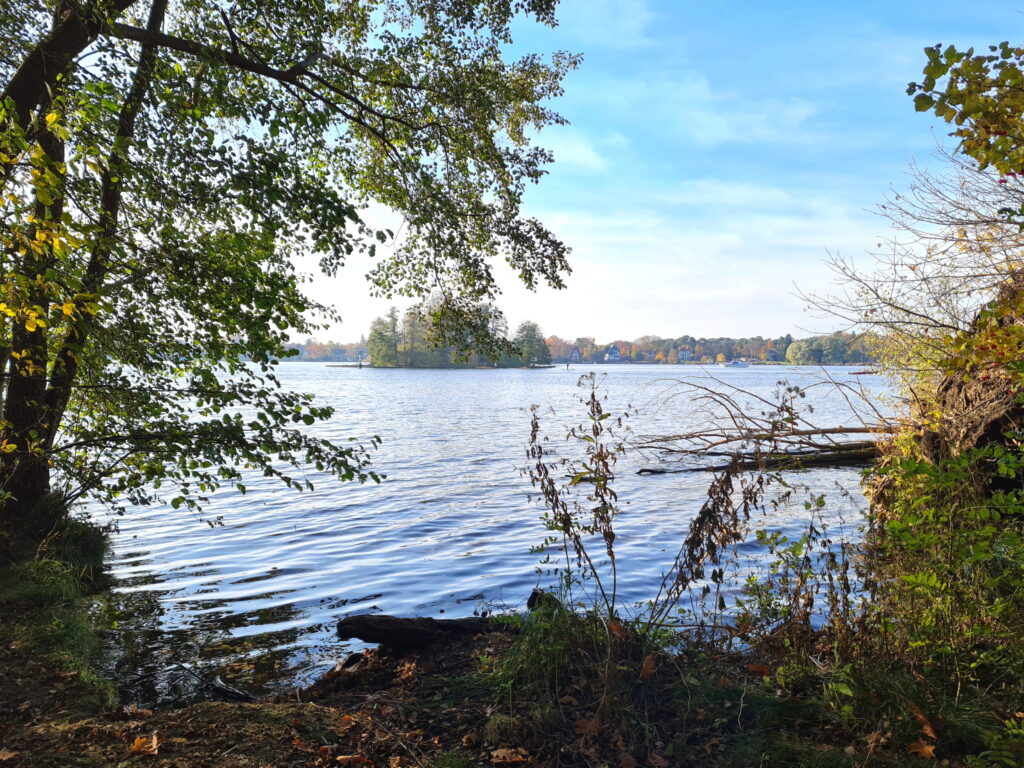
x=165 y=163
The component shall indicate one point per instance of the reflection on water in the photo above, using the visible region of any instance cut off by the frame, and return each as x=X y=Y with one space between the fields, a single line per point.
x=447 y=532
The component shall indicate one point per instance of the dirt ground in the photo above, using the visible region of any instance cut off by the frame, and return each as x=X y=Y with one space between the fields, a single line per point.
x=380 y=711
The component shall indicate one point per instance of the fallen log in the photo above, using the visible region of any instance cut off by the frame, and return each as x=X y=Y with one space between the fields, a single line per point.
x=839 y=458
x=411 y=634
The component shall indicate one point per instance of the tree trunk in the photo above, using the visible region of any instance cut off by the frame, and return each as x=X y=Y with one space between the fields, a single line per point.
x=75 y=27
x=24 y=468
x=65 y=365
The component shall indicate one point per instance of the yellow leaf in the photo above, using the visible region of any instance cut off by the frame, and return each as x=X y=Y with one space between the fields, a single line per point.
x=31 y=324
x=68 y=309
x=52 y=118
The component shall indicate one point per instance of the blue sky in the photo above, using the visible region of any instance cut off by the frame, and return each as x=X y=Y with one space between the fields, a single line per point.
x=716 y=153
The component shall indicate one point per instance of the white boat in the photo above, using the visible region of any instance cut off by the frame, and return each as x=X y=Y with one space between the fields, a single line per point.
x=733 y=364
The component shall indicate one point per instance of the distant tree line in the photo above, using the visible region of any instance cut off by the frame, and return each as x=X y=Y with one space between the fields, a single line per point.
x=330 y=351
x=832 y=349
x=405 y=341
x=684 y=349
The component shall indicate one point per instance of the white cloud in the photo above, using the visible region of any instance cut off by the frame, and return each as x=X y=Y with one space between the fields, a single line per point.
x=695 y=268
x=573 y=150
x=692 y=109
x=614 y=24
x=724 y=194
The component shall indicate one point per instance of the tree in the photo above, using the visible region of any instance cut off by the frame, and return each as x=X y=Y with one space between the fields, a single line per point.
x=530 y=341
x=798 y=353
x=382 y=343
x=163 y=166
x=954 y=247
x=560 y=349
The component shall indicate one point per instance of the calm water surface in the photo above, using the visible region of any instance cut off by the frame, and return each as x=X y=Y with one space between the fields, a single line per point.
x=447 y=532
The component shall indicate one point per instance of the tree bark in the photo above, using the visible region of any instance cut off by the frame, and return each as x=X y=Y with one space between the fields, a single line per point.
x=24 y=470
x=75 y=27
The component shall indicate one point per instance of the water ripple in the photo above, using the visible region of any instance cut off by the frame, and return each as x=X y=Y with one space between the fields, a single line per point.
x=448 y=531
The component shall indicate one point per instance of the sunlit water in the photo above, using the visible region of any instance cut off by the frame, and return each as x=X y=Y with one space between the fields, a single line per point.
x=449 y=530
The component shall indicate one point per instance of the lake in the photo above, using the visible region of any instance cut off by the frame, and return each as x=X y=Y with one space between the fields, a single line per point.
x=449 y=530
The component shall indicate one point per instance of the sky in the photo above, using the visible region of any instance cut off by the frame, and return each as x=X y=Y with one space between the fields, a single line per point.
x=717 y=153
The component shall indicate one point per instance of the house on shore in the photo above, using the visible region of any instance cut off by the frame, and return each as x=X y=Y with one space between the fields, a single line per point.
x=612 y=355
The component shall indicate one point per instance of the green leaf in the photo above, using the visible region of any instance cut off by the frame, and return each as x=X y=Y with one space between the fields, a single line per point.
x=923 y=102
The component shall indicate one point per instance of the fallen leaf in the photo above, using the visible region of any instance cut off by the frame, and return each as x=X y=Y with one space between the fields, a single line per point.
x=145 y=745
x=627 y=761
x=300 y=745
x=397 y=762
x=922 y=748
x=657 y=761
x=588 y=727
x=353 y=760
x=618 y=629
x=569 y=701
x=875 y=739
x=850 y=751
x=7 y=754
x=648 y=667
x=131 y=712
x=347 y=722
x=408 y=671
x=926 y=727
x=469 y=739
x=509 y=756
x=759 y=669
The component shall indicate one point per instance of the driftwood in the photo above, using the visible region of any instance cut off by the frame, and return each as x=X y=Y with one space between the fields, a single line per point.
x=411 y=634
x=755 y=432
x=858 y=454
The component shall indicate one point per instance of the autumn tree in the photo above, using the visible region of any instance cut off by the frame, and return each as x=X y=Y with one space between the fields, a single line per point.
x=560 y=349
x=164 y=165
